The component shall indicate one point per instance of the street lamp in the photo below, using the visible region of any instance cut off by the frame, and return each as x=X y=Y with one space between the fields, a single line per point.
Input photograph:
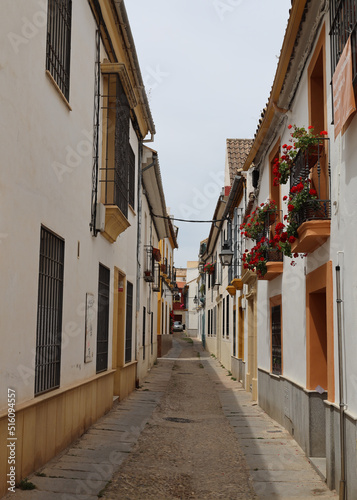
x=226 y=255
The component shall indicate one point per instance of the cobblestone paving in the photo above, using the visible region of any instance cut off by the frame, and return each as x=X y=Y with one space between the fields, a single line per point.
x=188 y=450
x=190 y=432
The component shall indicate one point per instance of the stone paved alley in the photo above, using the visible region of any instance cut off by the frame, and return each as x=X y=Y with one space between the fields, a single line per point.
x=189 y=432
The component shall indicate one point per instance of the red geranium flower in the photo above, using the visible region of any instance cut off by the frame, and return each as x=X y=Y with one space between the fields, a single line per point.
x=289 y=127
x=279 y=227
x=313 y=192
x=290 y=207
x=285 y=198
x=292 y=239
x=323 y=132
x=300 y=187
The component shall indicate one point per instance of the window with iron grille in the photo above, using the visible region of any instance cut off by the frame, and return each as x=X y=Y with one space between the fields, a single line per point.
x=131 y=178
x=223 y=319
x=234 y=332
x=129 y=322
x=49 y=312
x=214 y=321
x=58 y=47
x=118 y=153
x=343 y=17
x=103 y=318
x=152 y=333
x=144 y=330
x=227 y=316
x=276 y=339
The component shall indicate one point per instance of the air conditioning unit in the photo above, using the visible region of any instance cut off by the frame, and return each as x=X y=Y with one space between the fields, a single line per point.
x=100 y=217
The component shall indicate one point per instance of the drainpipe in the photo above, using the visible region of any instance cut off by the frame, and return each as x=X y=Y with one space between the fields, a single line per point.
x=138 y=249
x=342 y=491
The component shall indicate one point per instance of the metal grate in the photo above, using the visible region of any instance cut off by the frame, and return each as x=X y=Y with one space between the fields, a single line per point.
x=149 y=264
x=313 y=164
x=144 y=330
x=103 y=318
x=131 y=179
x=118 y=150
x=152 y=333
x=227 y=316
x=223 y=318
x=343 y=22
x=276 y=339
x=234 y=333
x=49 y=313
x=58 y=49
x=129 y=322
x=96 y=124
x=156 y=287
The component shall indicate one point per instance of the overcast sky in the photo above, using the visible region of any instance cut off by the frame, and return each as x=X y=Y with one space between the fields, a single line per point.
x=208 y=67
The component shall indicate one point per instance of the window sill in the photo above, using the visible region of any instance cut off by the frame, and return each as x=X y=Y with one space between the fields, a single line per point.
x=115 y=223
x=53 y=81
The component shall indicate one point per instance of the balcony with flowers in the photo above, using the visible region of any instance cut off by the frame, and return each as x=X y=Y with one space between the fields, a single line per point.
x=305 y=163
x=149 y=264
x=209 y=268
x=266 y=257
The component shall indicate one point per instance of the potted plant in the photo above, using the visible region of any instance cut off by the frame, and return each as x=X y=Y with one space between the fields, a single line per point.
x=256 y=223
x=303 y=141
x=302 y=199
x=209 y=268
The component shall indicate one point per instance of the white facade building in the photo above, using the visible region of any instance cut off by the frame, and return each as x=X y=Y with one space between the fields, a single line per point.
x=76 y=217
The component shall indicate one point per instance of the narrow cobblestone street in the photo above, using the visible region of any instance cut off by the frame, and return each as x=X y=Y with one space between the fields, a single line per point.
x=190 y=432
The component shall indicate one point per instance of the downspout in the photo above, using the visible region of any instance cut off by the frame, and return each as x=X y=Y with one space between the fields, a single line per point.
x=138 y=250
x=342 y=490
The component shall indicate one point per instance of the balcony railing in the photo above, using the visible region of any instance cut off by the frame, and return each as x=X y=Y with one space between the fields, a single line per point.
x=313 y=165
x=273 y=255
x=218 y=275
x=149 y=264
x=156 y=282
x=272 y=217
x=173 y=276
x=164 y=266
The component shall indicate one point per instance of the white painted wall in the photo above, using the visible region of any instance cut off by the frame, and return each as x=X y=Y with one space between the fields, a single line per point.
x=343 y=152
x=37 y=133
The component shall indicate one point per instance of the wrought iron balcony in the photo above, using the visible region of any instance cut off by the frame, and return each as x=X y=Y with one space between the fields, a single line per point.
x=173 y=276
x=217 y=275
x=164 y=266
x=312 y=220
x=272 y=217
x=149 y=264
x=156 y=283
x=313 y=165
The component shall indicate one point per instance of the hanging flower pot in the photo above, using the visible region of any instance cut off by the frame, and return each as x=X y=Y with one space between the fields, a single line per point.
x=209 y=268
